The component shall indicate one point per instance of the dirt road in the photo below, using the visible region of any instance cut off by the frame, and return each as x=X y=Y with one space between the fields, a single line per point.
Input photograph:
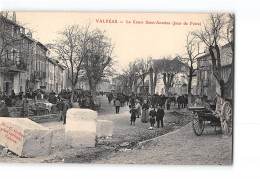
x=181 y=147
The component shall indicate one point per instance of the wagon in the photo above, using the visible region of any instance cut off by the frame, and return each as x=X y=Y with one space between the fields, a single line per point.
x=221 y=116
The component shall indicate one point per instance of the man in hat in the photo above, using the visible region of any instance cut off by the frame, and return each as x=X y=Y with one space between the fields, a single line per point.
x=159 y=116
x=133 y=112
x=152 y=115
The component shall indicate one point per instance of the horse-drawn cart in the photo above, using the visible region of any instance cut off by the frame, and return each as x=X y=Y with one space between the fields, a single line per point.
x=221 y=117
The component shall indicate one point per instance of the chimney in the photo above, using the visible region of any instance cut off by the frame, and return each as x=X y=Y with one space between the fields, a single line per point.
x=29 y=34
x=14 y=17
x=23 y=31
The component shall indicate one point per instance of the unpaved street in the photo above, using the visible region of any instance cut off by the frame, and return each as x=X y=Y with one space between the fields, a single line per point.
x=178 y=148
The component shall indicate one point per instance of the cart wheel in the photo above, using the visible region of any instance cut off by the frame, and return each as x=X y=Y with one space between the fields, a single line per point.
x=226 y=123
x=198 y=124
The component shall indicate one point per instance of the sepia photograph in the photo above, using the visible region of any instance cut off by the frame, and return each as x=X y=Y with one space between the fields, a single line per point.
x=117 y=88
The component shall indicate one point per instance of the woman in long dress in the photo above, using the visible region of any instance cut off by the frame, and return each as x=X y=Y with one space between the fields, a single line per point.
x=138 y=107
x=145 y=112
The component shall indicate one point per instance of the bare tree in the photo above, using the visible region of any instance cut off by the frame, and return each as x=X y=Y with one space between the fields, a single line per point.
x=190 y=59
x=97 y=61
x=169 y=69
x=154 y=70
x=130 y=73
x=68 y=48
x=123 y=83
x=143 y=67
x=219 y=27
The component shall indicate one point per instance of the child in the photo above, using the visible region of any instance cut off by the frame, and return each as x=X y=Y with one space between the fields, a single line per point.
x=133 y=112
x=152 y=115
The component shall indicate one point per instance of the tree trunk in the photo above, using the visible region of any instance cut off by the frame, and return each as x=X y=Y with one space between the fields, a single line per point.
x=131 y=87
x=151 y=83
x=135 y=89
x=222 y=88
x=189 y=87
x=189 y=100
x=154 y=82
x=92 y=88
x=72 y=93
x=189 y=92
x=167 y=87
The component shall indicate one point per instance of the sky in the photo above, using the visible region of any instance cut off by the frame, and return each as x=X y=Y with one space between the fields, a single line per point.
x=132 y=40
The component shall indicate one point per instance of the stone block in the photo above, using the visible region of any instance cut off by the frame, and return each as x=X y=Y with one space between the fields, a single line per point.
x=104 y=128
x=25 y=137
x=80 y=128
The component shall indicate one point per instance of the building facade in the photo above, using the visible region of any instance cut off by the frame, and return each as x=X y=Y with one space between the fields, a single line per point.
x=207 y=84
x=14 y=55
x=24 y=63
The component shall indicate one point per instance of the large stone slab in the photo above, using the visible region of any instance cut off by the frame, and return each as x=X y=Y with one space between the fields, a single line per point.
x=81 y=127
x=104 y=128
x=25 y=137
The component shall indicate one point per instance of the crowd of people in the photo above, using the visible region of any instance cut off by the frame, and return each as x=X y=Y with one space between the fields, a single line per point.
x=140 y=104
x=150 y=108
x=60 y=102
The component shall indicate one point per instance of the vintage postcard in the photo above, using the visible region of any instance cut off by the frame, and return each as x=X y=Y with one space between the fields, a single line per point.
x=117 y=88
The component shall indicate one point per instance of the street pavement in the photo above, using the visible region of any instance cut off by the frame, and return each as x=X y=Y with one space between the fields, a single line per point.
x=180 y=147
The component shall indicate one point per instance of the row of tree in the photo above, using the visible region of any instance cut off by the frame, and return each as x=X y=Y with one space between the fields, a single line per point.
x=216 y=31
x=87 y=55
x=136 y=72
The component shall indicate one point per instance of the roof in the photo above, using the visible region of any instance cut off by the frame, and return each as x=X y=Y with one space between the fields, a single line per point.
x=29 y=38
x=41 y=45
x=173 y=62
x=55 y=62
x=11 y=21
x=203 y=56
x=227 y=45
x=51 y=60
x=225 y=53
x=61 y=66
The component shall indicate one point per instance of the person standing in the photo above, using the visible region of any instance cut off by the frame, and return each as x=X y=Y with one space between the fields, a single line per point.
x=61 y=108
x=133 y=112
x=3 y=109
x=152 y=115
x=75 y=104
x=138 y=107
x=159 y=116
x=12 y=94
x=145 y=112
x=117 y=105
x=65 y=109
x=110 y=97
